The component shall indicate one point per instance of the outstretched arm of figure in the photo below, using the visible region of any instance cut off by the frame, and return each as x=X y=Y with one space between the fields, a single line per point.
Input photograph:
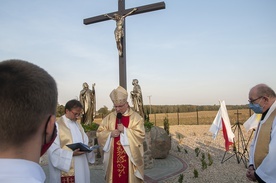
x=106 y=15
x=134 y=9
x=93 y=88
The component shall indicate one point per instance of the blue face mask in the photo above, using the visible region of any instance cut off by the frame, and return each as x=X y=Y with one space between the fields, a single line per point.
x=256 y=108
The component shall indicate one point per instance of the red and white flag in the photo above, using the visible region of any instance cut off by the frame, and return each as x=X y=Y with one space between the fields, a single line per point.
x=222 y=122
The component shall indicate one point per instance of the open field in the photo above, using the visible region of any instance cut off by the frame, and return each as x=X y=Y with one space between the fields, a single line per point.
x=195 y=118
x=198 y=118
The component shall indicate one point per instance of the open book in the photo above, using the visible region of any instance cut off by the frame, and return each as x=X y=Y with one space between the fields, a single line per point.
x=82 y=147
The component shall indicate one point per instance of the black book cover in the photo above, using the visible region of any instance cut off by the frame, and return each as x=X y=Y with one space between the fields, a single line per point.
x=82 y=147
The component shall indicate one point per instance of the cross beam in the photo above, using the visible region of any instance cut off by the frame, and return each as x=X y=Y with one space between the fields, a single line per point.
x=122 y=11
x=141 y=9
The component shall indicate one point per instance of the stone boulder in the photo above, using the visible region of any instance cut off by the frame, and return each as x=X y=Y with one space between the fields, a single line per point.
x=160 y=143
x=92 y=138
x=148 y=160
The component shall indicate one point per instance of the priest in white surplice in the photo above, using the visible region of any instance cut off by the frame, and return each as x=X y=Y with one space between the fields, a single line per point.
x=262 y=167
x=65 y=165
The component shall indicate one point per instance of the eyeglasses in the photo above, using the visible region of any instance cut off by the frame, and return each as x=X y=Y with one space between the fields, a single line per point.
x=252 y=101
x=75 y=114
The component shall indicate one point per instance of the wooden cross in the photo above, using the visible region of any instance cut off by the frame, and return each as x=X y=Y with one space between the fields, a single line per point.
x=238 y=113
x=120 y=39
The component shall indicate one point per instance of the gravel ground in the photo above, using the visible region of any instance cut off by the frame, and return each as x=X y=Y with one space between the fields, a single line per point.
x=190 y=137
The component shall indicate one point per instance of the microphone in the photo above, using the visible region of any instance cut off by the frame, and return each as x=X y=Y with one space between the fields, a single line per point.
x=119 y=116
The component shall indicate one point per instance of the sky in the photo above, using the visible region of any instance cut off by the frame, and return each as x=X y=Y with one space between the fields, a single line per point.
x=193 y=52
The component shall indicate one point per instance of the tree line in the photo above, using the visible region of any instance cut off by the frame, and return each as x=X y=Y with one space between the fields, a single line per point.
x=156 y=109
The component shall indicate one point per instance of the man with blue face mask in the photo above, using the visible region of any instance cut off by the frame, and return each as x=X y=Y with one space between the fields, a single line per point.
x=262 y=157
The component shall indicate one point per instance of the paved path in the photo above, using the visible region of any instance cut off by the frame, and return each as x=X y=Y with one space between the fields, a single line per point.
x=162 y=170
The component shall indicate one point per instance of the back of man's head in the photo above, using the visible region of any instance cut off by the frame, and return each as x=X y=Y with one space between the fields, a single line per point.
x=28 y=96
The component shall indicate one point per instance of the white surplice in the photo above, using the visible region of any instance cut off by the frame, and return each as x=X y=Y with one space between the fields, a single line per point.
x=60 y=159
x=266 y=170
x=19 y=170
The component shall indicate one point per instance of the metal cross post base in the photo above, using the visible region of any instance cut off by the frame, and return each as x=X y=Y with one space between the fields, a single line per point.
x=239 y=145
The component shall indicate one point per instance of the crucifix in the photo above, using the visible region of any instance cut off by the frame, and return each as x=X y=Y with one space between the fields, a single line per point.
x=119 y=32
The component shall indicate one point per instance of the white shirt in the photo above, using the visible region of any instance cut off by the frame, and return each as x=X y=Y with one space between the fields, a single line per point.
x=19 y=170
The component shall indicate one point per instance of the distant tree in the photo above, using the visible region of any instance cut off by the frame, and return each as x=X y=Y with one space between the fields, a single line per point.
x=60 y=110
x=103 y=111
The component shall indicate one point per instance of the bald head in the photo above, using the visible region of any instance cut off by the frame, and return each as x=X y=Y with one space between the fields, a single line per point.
x=262 y=90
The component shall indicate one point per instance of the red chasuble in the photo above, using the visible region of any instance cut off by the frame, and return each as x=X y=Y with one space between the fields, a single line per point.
x=120 y=158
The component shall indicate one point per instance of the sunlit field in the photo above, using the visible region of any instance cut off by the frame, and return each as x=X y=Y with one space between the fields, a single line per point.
x=195 y=118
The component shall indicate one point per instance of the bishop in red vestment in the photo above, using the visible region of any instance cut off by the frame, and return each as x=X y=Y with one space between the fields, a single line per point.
x=122 y=141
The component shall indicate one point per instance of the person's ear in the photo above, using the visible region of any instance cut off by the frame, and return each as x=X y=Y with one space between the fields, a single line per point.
x=50 y=127
x=50 y=134
x=266 y=99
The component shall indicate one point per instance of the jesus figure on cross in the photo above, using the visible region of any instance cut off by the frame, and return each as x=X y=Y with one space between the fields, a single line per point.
x=119 y=32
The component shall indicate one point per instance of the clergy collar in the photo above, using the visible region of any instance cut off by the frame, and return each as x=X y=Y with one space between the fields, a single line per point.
x=126 y=112
x=67 y=120
x=264 y=114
